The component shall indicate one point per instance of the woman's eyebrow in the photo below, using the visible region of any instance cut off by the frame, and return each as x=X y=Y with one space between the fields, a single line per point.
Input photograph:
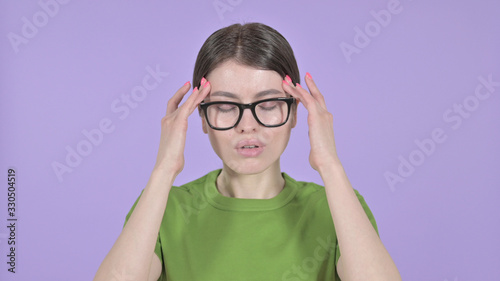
x=258 y=95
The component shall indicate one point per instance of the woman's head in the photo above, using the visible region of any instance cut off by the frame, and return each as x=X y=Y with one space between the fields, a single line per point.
x=252 y=44
x=244 y=64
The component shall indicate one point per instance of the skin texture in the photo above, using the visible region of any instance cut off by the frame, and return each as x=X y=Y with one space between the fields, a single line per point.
x=248 y=177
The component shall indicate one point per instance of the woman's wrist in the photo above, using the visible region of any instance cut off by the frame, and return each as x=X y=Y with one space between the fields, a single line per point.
x=330 y=166
x=164 y=175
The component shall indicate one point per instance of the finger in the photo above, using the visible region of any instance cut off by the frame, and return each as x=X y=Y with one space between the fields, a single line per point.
x=303 y=95
x=306 y=93
x=184 y=108
x=289 y=80
x=207 y=87
x=195 y=95
x=305 y=98
x=297 y=86
x=174 y=101
x=188 y=106
x=314 y=89
x=194 y=99
x=200 y=96
x=202 y=82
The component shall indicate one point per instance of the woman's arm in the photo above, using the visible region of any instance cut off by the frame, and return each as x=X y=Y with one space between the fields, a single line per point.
x=364 y=257
x=130 y=258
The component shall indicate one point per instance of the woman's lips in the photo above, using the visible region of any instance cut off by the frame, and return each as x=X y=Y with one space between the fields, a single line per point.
x=250 y=152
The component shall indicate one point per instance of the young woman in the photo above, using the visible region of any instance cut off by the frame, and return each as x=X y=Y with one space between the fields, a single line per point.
x=248 y=220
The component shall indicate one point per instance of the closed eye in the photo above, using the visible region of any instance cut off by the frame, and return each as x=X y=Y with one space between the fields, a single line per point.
x=269 y=105
x=226 y=107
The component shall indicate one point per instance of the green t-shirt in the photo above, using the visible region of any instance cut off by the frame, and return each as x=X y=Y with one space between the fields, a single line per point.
x=205 y=235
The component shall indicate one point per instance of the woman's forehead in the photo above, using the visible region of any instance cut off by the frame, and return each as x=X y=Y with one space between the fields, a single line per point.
x=261 y=94
x=236 y=81
x=232 y=72
x=245 y=96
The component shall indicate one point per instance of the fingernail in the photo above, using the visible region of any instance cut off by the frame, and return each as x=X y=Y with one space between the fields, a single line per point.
x=285 y=82
x=308 y=75
x=298 y=85
x=186 y=83
x=288 y=79
x=206 y=84
x=203 y=80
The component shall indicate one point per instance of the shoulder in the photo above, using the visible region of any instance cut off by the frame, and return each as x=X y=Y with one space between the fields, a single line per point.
x=305 y=187
x=194 y=188
x=199 y=182
x=312 y=189
x=315 y=194
x=307 y=193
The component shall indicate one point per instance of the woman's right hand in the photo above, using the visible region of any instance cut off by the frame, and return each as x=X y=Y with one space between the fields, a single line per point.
x=174 y=125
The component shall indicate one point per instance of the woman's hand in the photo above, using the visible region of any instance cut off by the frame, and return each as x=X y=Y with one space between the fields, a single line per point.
x=174 y=127
x=323 y=152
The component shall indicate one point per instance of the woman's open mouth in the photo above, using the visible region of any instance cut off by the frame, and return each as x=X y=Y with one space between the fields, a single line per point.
x=250 y=150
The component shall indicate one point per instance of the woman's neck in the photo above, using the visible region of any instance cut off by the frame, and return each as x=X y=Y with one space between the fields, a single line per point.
x=264 y=185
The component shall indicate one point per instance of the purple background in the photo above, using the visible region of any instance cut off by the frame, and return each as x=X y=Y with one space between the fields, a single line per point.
x=441 y=223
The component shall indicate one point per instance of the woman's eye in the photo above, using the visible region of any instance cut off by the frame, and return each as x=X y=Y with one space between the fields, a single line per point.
x=269 y=105
x=226 y=107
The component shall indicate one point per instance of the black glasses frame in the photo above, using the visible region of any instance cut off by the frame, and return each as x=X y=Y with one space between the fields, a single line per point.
x=242 y=107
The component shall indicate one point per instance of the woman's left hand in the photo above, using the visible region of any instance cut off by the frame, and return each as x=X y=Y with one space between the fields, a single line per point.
x=323 y=152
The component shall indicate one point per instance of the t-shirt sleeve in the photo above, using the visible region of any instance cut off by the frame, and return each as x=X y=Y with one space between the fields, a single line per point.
x=158 y=242
x=370 y=217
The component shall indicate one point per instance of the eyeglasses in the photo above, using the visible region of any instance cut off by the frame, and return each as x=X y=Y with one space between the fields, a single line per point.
x=224 y=115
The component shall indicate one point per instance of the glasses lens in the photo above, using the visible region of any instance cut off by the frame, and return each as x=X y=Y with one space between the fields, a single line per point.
x=269 y=113
x=272 y=113
x=222 y=115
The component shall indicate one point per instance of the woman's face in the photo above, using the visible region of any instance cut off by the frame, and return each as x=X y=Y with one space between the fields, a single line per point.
x=238 y=83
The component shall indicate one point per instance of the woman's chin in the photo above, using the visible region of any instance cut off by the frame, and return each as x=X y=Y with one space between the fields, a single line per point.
x=246 y=167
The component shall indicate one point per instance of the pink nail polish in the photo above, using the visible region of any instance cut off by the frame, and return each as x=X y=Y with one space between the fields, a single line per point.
x=288 y=79
x=298 y=85
x=206 y=84
x=203 y=80
x=308 y=75
x=186 y=83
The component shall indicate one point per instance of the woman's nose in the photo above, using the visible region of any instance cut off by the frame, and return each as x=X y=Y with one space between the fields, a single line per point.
x=247 y=122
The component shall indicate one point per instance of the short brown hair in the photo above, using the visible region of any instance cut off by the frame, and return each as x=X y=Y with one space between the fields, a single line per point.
x=253 y=44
